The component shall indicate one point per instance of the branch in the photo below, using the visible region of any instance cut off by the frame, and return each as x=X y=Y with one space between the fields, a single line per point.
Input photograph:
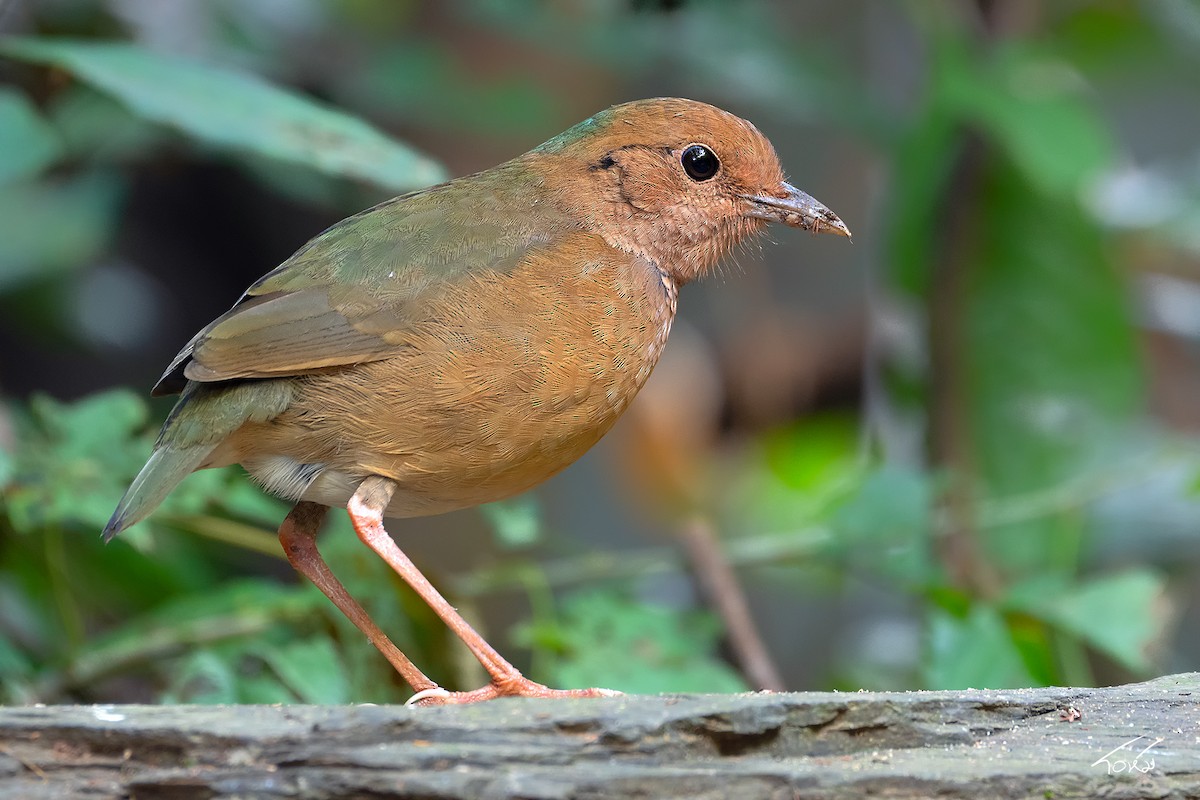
x=1127 y=741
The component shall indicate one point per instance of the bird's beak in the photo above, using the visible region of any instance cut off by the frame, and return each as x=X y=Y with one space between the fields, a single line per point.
x=797 y=209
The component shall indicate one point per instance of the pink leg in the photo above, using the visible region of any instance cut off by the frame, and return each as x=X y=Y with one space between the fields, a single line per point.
x=298 y=535
x=366 y=509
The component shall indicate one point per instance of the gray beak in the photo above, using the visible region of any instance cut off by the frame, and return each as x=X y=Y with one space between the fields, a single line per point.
x=797 y=209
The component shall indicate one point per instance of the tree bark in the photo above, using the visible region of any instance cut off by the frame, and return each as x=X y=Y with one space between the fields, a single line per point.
x=1121 y=742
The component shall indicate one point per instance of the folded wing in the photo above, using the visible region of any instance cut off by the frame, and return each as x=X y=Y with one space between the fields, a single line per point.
x=352 y=294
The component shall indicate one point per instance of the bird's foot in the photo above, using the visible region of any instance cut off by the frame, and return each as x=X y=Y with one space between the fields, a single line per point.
x=518 y=686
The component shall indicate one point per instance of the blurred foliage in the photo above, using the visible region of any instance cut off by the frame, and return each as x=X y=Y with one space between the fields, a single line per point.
x=233 y=110
x=1014 y=226
x=603 y=638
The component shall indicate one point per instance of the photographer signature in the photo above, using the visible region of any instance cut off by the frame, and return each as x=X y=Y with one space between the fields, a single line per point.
x=1140 y=762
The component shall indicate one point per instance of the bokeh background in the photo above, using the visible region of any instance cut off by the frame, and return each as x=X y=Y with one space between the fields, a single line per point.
x=960 y=451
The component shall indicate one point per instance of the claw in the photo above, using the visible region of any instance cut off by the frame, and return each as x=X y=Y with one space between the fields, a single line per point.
x=425 y=694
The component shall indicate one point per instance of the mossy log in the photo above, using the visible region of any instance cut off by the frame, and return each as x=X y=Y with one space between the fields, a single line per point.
x=1141 y=740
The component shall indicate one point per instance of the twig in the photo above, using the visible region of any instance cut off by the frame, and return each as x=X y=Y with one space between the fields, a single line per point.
x=29 y=765
x=724 y=592
x=769 y=548
x=228 y=531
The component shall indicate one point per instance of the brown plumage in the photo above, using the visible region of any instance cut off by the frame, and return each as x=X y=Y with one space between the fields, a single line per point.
x=463 y=343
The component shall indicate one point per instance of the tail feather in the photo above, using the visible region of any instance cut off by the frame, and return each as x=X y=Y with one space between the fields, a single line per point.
x=163 y=472
x=205 y=416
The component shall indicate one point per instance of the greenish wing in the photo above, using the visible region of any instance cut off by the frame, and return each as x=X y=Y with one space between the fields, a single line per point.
x=351 y=294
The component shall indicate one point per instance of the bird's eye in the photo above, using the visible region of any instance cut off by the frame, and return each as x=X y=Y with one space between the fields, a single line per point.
x=699 y=162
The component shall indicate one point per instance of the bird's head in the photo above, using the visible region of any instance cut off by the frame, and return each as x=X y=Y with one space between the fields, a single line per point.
x=677 y=181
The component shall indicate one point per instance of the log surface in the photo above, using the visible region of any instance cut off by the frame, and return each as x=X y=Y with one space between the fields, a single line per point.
x=1141 y=740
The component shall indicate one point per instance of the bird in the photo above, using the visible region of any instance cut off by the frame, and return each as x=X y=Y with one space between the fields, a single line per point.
x=460 y=344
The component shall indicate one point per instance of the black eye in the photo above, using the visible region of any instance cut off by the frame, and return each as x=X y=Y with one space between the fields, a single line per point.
x=699 y=162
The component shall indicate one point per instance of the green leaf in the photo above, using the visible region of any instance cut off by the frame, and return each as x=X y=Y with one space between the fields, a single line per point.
x=75 y=459
x=96 y=127
x=235 y=110
x=88 y=425
x=973 y=652
x=1121 y=615
x=1030 y=104
x=27 y=143
x=605 y=639
x=517 y=522
x=311 y=668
